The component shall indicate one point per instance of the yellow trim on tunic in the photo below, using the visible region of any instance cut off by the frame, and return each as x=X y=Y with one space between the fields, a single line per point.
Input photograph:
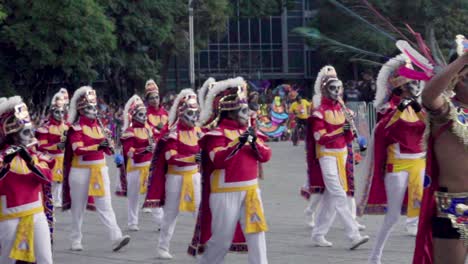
x=96 y=181
x=341 y=163
x=57 y=171
x=23 y=246
x=415 y=169
x=143 y=174
x=187 y=193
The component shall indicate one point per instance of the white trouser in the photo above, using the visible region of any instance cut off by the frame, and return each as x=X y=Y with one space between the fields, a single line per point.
x=79 y=184
x=57 y=193
x=42 y=246
x=396 y=184
x=226 y=210
x=134 y=196
x=334 y=200
x=171 y=206
x=316 y=198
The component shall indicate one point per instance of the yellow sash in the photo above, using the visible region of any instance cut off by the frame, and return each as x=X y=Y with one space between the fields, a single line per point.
x=254 y=217
x=144 y=175
x=96 y=181
x=187 y=197
x=341 y=162
x=23 y=246
x=414 y=167
x=57 y=171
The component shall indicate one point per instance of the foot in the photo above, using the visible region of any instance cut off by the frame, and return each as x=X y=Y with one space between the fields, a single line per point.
x=133 y=228
x=76 y=246
x=320 y=241
x=412 y=230
x=355 y=243
x=147 y=210
x=57 y=205
x=120 y=243
x=361 y=227
x=163 y=254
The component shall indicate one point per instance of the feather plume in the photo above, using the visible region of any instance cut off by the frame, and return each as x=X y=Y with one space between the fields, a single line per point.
x=73 y=112
x=415 y=57
x=129 y=103
x=383 y=86
x=318 y=84
x=9 y=104
x=203 y=91
x=218 y=87
x=175 y=105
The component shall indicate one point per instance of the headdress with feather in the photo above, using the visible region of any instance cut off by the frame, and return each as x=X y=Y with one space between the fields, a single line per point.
x=14 y=115
x=82 y=97
x=203 y=91
x=58 y=101
x=185 y=99
x=151 y=89
x=325 y=76
x=133 y=105
x=225 y=95
x=64 y=93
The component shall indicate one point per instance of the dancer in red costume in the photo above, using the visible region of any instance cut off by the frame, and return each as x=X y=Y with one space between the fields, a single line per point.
x=24 y=231
x=396 y=160
x=86 y=178
x=443 y=227
x=52 y=138
x=231 y=215
x=157 y=115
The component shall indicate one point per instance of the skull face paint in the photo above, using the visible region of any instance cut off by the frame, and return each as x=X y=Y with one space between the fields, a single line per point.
x=25 y=136
x=243 y=115
x=153 y=99
x=140 y=116
x=334 y=89
x=58 y=114
x=90 y=111
x=414 y=88
x=190 y=116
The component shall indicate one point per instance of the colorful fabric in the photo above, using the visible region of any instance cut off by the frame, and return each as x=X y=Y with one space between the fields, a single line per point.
x=187 y=195
x=23 y=246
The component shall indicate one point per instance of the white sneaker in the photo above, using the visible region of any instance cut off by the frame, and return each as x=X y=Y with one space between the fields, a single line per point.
x=120 y=243
x=361 y=227
x=57 y=205
x=163 y=254
x=320 y=241
x=355 y=243
x=76 y=246
x=147 y=210
x=133 y=228
x=411 y=230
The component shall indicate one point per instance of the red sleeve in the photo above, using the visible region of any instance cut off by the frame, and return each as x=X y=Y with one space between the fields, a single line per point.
x=173 y=157
x=264 y=151
x=320 y=132
x=76 y=140
x=219 y=149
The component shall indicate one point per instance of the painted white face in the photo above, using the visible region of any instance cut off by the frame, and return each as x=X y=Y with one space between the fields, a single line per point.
x=26 y=135
x=90 y=111
x=140 y=116
x=153 y=99
x=335 y=89
x=414 y=88
x=58 y=114
x=243 y=115
x=190 y=116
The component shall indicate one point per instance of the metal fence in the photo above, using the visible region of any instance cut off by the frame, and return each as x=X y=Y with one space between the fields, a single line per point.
x=366 y=116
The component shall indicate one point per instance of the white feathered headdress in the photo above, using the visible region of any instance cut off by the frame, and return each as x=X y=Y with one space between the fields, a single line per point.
x=203 y=91
x=80 y=99
x=133 y=104
x=58 y=101
x=212 y=106
x=326 y=73
x=14 y=115
x=186 y=98
x=386 y=81
x=64 y=93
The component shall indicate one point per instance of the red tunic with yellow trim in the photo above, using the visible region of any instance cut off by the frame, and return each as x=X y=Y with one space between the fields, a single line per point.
x=21 y=190
x=175 y=153
x=220 y=174
x=82 y=151
x=397 y=147
x=135 y=140
x=325 y=137
x=157 y=116
x=49 y=136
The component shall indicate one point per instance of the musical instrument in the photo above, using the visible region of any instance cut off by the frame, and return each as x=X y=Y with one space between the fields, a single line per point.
x=106 y=133
x=349 y=118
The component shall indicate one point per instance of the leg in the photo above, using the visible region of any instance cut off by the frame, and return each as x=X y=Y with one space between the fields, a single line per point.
x=42 y=244
x=337 y=194
x=105 y=211
x=225 y=209
x=256 y=243
x=197 y=192
x=311 y=208
x=57 y=193
x=133 y=192
x=171 y=210
x=395 y=187
x=449 y=251
x=7 y=237
x=79 y=183
x=324 y=217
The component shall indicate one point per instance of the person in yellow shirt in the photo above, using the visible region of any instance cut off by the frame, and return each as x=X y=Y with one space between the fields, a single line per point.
x=301 y=110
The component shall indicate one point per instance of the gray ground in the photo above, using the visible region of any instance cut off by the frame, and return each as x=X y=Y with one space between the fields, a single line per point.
x=288 y=239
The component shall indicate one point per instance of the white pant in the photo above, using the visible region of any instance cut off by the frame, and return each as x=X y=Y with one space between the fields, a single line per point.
x=315 y=200
x=134 y=196
x=42 y=246
x=79 y=184
x=396 y=184
x=57 y=193
x=334 y=200
x=226 y=210
x=171 y=206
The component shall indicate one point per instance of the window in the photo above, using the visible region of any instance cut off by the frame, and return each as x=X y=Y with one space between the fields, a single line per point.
x=276 y=30
x=233 y=31
x=244 y=30
x=255 y=30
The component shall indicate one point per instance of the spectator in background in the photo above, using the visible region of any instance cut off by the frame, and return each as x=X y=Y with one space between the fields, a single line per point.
x=351 y=93
x=367 y=86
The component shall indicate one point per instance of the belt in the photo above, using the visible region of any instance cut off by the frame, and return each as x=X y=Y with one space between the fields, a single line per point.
x=454 y=206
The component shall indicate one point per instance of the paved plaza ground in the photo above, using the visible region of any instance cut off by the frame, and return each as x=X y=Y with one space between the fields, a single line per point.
x=288 y=239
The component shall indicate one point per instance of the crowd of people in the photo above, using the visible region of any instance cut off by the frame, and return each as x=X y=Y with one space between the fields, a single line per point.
x=204 y=157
